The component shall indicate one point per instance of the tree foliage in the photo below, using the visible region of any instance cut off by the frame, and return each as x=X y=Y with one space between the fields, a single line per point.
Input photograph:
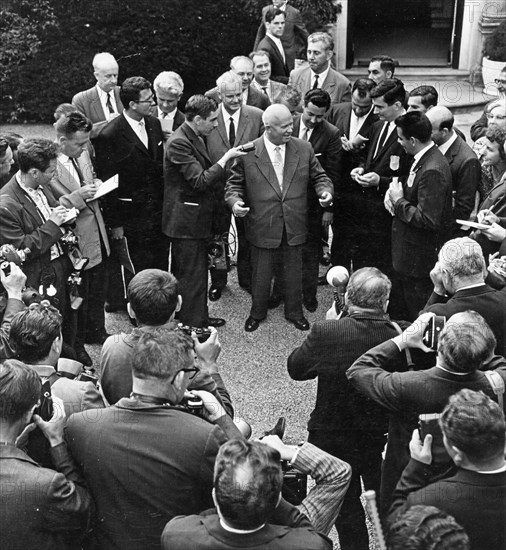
x=47 y=45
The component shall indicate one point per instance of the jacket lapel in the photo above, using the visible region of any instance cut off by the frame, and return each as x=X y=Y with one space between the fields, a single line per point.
x=265 y=166
x=241 y=127
x=27 y=203
x=222 y=131
x=132 y=137
x=291 y=163
x=198 y=144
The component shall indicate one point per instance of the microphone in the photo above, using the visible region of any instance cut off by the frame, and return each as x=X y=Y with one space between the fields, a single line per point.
x=338 y=278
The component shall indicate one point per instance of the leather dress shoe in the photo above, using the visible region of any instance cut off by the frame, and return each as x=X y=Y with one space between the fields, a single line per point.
x=215 y=322
x=83 y=357
x=278 y=429
x=214 y=293
x=251 y=324
x=311 y=304
x=322 y=280
x=301 y=324
x=274 y=301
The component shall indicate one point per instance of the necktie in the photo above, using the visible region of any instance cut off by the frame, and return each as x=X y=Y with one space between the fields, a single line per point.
x=264 y=90
x=278 y=166
x=78 y=170
x=143 y=135
x=382 y=139
x=315 y=85
x=231 y=132
x=109 y=103
x=164 y=114
x=304 y=134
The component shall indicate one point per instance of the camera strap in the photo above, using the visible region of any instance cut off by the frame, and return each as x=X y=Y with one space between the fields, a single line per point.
x=53 y=378
x=409 y=360
x=497 y=383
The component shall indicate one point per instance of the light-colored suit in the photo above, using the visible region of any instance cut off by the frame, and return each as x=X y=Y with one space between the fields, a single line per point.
x=88 y=103
x=89 y=223
x=335 y=84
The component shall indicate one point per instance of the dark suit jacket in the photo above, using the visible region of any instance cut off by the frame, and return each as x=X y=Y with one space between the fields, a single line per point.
x=474 y=499
x=256 y=98
x=406 y=395
x=192 y=182
x=422 y=217
x=144 y=465
x=294 y=37
x=486 y=301
x=339 y=115
x=9 y=308
x=88 y=103
x=466 y=173
x=254 y=181
x=39 y=507
x=288 y=529
x=140 y=170
x=329 y=350
x=22 y=226
x=337 y=85
x=279 y=68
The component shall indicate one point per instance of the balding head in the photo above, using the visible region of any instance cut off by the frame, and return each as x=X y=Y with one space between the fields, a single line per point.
x=243 y=67
x=278 y=122
x=441 y=119
x=106 y=71
x=230 y=91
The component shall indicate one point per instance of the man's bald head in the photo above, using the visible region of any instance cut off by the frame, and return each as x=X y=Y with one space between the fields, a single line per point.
x=278 y=122
x=441 y=119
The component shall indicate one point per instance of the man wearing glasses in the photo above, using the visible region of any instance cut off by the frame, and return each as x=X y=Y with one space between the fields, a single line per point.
x=146 y=459
x=131 y=146
x=479 y=128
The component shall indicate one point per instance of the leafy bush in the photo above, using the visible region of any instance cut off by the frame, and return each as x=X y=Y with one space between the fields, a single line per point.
x=495 y=44
x=47 y=59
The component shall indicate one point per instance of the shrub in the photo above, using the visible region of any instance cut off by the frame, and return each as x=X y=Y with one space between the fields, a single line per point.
x=495 y=44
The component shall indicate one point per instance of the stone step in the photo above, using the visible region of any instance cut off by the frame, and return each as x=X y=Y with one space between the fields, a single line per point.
x=415 y=73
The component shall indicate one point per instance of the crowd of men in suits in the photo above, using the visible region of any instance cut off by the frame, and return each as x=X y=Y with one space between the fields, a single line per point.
x=283 y=154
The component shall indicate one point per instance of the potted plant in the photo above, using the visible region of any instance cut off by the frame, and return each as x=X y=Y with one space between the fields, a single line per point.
x=494 y=57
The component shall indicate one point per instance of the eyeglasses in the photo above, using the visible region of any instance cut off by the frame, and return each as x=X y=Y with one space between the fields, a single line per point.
x=193 y=370
x=500 y=81
x=151 y=100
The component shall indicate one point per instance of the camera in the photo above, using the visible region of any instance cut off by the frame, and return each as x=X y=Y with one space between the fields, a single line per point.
x=10 y=254
x=193 y=405
x=202 y=333
x=45 y=408
x=247 y=147
x=217 y=254
x=431 y=335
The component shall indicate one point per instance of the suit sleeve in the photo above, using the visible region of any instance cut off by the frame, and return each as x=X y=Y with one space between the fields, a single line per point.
x=12 y=231
x=235 y=189
x=303 y=361
x=333 y=161
x=465 y=195
x=428 y=213
x=479 y=127
x=434 y=299
x=318 y=178
x=368 y=376
x=69 y=504
x=69 y=200
x=91 y=397
x=13 y=306
x=180 y=153
x=346 y=97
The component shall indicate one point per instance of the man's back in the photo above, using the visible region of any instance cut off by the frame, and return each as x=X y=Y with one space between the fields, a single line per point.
x=144 y=464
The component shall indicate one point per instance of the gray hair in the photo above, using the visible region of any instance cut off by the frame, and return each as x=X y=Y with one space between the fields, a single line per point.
x=229 y=78
x=462 y=257
x=368 y=288
x=170 y=82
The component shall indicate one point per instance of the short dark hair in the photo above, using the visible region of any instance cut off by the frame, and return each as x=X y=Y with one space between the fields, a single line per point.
x=20 y=388
x=4 y=145
x=369 y=288
x=318 y=97
x=153 y=293
x=13 y=139
x=428 y=94
x=391 y=90
x=423 y=527
x=34 y=330
x=200 y=105
x=161 y=353
x=464 y=346
x=131 y=89
x=386 y=62
x=364 y=86
x=271 y=13
x=36 y=153
x=248 y=502
x=72 y=123
x=474 y=423
x=496 y=135
x=415 y=124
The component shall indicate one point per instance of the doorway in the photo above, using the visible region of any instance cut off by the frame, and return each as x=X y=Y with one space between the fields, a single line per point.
x=416 y=33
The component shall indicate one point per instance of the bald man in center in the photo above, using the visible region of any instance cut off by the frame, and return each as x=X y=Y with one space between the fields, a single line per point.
x=268 y=188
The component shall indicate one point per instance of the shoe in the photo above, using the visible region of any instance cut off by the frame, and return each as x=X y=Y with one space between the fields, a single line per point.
x=279 y=428
x=214 y=293
x=274 y=301
x=113 y=308
x=311 y=304
x=322 y=280
x=215 y=322
x=98 y=337
x=83 y=357
x=301 y=324
x=251 y=324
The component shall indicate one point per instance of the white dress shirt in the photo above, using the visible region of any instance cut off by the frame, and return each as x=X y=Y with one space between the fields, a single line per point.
x=226 y=119
x=271 y=151
x=357 y=122
x=302 y=129
x=445 y=146
x=321 y=77
x=103 y=101
x=139 y=127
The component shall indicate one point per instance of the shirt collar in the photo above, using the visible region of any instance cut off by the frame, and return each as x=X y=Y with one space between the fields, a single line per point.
x=168 y=116
x=239 y=531
x=471 y=286
x=27 y=189
x=451 y=371
x=227 y=115
x=270 y=146
x=321 y=77
x=44 y=371
x=420 y=154
x=359 y=118
x=445 y=146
